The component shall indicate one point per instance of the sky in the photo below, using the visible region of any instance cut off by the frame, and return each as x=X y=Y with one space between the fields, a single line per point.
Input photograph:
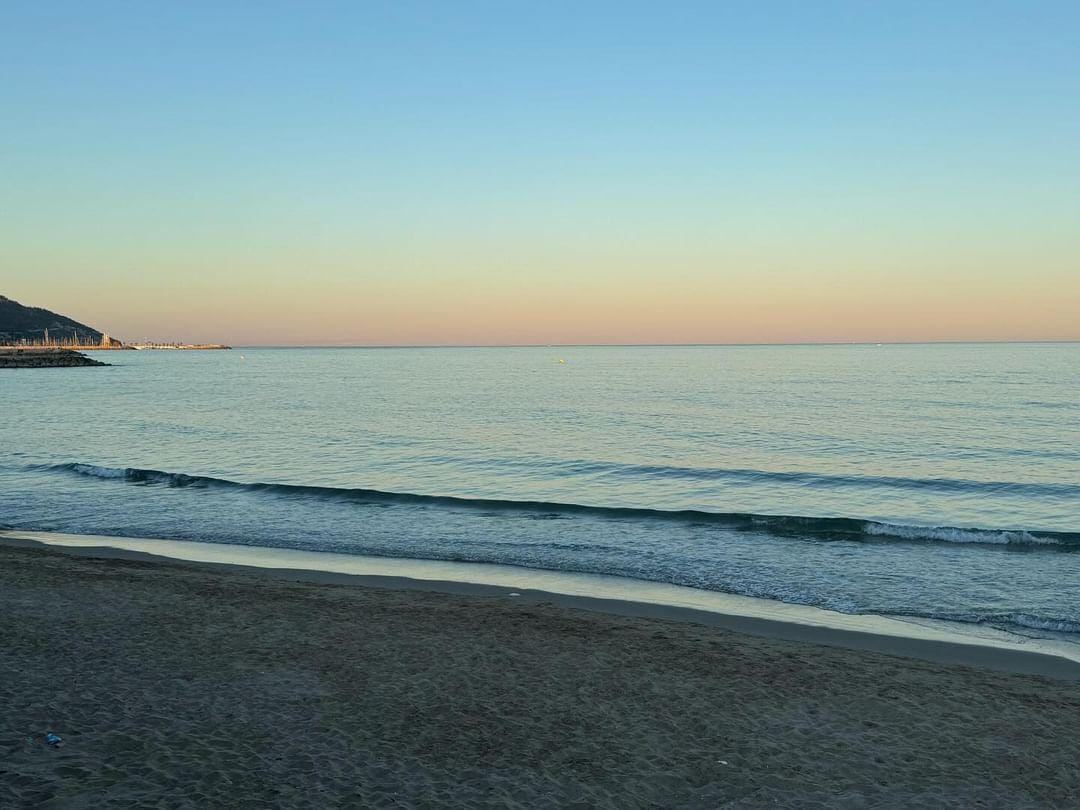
x=402 y=173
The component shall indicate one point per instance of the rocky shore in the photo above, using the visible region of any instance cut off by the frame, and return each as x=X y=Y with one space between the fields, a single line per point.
x=44 y=358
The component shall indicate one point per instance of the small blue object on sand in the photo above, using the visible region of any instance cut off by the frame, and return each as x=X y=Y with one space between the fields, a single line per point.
x=53 y=739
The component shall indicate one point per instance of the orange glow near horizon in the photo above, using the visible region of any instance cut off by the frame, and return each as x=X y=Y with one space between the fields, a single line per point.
x=544 y=176
x=576 y=308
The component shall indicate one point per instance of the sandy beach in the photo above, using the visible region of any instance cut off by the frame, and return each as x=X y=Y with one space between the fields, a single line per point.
x=178 y=685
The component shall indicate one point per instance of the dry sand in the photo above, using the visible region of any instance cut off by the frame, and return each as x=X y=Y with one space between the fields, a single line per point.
x=175 y=685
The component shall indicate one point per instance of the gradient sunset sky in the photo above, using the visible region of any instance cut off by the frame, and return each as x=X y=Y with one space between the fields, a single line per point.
x=544 y=172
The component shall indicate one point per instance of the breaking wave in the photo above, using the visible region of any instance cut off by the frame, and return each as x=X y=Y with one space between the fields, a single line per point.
x=819 y=528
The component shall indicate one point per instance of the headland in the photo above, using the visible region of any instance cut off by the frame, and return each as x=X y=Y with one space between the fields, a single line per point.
x=25 y=327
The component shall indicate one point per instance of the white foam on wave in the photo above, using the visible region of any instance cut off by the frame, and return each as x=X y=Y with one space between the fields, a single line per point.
x=948 y=534
x=99 y=472
x=1052 y=625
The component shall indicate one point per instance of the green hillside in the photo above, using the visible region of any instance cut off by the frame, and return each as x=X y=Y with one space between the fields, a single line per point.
x=23 y=324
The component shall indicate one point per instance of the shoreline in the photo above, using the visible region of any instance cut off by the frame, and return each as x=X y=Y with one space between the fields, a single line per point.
x=224 y=686
x=761 y=618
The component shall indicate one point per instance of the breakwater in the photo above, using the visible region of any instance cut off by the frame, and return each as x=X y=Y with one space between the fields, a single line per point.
x=45 y=358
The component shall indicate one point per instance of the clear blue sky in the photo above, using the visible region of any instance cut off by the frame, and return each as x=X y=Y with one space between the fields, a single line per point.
x=544 y=172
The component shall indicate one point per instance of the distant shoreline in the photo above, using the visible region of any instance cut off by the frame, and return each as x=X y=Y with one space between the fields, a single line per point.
x=124 y=347
x=183 y=347
x=657 y=345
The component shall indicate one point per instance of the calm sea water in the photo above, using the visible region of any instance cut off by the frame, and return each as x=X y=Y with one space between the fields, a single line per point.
x=933 y=481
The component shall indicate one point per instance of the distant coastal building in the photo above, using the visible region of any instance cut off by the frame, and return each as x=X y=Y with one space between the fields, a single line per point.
x=146 y=344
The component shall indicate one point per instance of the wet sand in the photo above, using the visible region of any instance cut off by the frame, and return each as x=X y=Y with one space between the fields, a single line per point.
x=180 y=685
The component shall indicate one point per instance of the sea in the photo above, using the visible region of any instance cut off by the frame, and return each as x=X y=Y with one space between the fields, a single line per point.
x=935 y=482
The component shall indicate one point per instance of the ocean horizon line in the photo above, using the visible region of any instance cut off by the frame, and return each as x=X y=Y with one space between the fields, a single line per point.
x=1068 y=342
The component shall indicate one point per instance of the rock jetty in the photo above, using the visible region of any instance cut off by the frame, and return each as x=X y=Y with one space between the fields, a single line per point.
x=44 y=358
